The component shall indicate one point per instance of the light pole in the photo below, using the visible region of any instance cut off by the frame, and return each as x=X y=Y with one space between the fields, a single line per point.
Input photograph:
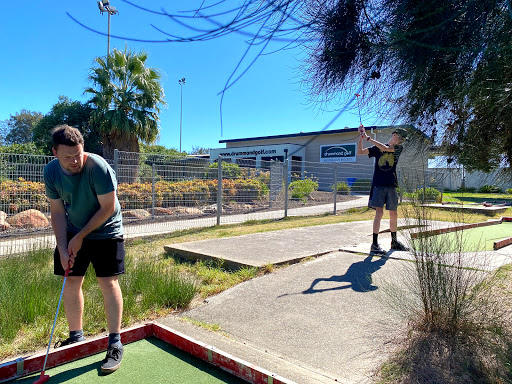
x=105 y=6
x=182 y=83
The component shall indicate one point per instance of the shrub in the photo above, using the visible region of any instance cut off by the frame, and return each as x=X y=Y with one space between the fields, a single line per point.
x=300 y=189
x=509 y=191
x=427 y=194
x=229 y=170
x=20 y=195
x=188 y=193
x=342 y=187
x=489 y=189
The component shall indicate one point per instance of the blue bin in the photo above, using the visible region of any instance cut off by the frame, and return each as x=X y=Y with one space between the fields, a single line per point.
x=351 y=181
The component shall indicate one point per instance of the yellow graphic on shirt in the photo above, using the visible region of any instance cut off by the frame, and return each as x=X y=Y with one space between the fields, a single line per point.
x=386 y=161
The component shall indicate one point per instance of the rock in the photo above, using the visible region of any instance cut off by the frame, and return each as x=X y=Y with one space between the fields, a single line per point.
x=3 y=221
x=210 y=208
x=160 y=211
x=188 y=211
x=31 y=218
x=136 y=214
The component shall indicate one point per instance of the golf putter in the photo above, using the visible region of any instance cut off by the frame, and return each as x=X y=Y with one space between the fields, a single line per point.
x=44 y=378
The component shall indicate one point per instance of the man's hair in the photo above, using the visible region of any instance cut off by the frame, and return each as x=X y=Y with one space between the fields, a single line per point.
x=66 y=135
x=402 y=133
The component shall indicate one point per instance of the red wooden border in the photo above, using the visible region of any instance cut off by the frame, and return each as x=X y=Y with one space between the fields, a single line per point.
x=216 y=357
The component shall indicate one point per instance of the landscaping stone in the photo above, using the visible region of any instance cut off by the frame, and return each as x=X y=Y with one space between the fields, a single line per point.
x=136 y=214
x=31 y=218
x=160 y=211
x=188 y=211
x=3 y=221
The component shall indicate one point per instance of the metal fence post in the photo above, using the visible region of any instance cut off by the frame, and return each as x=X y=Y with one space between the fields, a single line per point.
x=153 y=190
x=286 y=185
x=116 y=163
x=335 y=186
x=219 y=189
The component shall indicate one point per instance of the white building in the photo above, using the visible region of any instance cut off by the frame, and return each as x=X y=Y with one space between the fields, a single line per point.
x=317 y=154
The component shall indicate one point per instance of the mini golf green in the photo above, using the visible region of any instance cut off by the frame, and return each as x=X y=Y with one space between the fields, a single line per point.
x=148 y=360
x=479 y=238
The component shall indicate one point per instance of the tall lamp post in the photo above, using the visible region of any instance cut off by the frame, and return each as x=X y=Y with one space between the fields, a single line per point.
x=182 y=83
x=104 y=6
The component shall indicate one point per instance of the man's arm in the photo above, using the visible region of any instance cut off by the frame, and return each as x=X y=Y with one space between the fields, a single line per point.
x=107 y=208
x=378 y=144
x=59 y=225
x=360 y=150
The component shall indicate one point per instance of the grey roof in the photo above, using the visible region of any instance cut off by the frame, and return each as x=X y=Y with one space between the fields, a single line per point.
x=330 y=132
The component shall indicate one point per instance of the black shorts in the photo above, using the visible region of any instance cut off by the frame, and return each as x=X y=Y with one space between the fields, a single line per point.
x=383 y=195
x=106 y=256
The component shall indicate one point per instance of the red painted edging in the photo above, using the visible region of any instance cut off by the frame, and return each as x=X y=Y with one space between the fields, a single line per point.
x=216 y=357
x=235 y=366
x=33 y=364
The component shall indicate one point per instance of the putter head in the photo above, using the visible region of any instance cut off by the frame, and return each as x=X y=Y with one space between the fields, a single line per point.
x=42 y=379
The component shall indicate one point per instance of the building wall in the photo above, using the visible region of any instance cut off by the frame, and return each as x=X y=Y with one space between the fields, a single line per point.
x=413 y=160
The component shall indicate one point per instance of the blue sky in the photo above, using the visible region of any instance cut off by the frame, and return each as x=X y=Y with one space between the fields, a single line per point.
x=47 y=54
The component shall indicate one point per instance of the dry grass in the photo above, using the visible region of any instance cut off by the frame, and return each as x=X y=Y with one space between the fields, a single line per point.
x=479 y=353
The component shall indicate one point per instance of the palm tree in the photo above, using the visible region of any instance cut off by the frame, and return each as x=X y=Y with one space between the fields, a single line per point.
x=128 y=97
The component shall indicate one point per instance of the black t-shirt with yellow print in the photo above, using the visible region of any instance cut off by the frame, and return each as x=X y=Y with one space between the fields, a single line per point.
x=384 y=173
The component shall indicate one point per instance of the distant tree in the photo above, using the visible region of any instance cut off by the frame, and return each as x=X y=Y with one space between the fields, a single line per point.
x=159 y=149
x=73 y=113
x=127 y=97
x=196 y=150
x=25 y=148
x=18 y=128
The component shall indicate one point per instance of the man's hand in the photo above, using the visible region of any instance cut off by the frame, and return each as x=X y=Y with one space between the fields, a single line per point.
x=363 y=134
x=66 y=261
x=75 y=244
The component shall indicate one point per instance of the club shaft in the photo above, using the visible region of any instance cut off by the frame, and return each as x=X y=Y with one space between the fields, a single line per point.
x=54 y=322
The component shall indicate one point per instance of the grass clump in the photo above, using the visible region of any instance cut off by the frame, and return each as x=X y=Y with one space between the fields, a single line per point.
x=30 y=292
x=459 y=328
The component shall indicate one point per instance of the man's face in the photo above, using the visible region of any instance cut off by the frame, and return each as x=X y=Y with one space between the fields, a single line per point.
x=71 y=159
x=395 y=139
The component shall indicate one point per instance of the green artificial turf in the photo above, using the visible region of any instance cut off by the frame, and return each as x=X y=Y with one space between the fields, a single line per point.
x=146 y=361
x=480 y=238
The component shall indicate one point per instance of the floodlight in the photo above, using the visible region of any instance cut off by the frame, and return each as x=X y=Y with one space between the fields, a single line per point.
x=101 y=7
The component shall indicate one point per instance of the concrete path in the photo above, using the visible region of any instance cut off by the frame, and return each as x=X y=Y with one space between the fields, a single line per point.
x=320 y=321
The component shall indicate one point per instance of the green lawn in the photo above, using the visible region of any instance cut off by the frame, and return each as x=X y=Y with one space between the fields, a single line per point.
x=465 y=197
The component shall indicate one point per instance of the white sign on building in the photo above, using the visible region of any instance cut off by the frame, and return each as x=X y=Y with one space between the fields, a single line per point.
x=338 y=153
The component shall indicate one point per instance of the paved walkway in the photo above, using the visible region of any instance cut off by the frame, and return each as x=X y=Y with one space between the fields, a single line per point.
x=320 y=321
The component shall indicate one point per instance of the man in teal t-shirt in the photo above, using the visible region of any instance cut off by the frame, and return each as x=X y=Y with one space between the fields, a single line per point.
x=86 y=219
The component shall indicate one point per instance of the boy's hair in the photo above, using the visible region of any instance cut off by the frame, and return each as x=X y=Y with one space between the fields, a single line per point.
x=66 y=135
x=402 y=133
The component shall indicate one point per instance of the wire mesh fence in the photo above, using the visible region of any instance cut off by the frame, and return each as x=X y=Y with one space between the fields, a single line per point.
x=160 y=193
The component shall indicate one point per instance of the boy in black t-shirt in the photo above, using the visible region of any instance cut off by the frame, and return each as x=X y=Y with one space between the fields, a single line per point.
x=384 y=184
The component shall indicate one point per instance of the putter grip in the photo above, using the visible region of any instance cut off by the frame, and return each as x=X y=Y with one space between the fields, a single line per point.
x=66 y=273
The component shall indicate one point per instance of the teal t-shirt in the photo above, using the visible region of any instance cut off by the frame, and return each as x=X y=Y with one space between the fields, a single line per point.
x=79 y=193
